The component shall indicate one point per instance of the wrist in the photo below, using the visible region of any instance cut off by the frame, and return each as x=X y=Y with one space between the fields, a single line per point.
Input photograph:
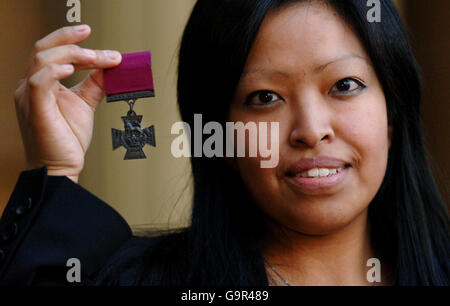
x=72 y=177
x=72 y=174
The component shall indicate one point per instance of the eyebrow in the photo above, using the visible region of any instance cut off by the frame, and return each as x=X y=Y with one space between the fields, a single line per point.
x=315 y=70
x=342 y=58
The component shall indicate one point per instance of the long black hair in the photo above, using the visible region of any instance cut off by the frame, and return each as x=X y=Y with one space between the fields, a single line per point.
x=222 y=246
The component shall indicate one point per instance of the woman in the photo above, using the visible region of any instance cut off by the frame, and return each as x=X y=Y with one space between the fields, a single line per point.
x=352 y=182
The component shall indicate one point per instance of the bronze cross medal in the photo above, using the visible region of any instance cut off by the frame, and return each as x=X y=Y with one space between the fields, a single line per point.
x=133 y=138
x=130 y=81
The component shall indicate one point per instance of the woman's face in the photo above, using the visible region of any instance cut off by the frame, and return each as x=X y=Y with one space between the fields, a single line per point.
x=308 y=71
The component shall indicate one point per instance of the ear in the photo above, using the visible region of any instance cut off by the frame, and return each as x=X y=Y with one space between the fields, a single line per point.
x=390 y=131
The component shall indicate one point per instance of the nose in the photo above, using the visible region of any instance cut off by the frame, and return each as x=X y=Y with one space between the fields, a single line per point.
x=312 y=124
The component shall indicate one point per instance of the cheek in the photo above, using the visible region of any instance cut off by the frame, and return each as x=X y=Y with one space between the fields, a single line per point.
x=262 y=183
x=365 y=131
x=259 y=173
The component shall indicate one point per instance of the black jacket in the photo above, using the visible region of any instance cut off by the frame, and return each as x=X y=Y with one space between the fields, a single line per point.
x=50 y=219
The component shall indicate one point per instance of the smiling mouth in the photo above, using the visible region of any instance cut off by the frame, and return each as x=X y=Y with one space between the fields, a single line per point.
x=318 y=172
x=319 y=179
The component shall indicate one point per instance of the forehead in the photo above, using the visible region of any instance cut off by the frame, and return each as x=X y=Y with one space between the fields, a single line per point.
x=303 y=35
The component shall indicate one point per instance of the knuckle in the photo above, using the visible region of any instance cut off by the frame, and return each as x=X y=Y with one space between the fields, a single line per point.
x=17 y=95
x=90 y=61
x=38 y=46
x=19 y=90
x=73 y=49
x=33 y=81
x=39 y=59
x=52 y=68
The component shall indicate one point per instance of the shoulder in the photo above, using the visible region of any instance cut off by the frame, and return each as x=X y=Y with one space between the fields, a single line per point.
x=140 y=259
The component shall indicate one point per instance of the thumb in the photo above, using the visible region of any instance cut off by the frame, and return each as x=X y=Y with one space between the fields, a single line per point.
x=91 y=89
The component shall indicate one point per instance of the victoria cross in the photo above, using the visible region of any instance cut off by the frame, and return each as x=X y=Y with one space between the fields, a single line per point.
x=133 y=138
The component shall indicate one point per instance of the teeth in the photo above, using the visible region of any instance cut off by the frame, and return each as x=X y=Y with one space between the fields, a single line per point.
x=324 y=172
x=319 y=172
x=313 y=172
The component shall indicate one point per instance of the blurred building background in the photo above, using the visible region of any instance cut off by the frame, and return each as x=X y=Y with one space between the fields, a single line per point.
x=157 y=191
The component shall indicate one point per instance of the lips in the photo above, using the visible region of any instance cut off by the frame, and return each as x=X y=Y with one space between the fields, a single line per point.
x=316 y=175
x=321 y=162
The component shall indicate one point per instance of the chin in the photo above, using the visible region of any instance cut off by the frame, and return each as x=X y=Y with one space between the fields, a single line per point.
x=327 y=219
x=320 y=228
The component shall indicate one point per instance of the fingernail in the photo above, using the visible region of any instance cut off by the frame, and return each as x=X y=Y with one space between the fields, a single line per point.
x=81 y=28
x=90 y=53
x=112 y=54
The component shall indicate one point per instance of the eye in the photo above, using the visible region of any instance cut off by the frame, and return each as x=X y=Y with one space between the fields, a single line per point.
x=262 y=98
x=347 y=86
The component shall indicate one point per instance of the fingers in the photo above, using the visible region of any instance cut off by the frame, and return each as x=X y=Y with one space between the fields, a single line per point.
x=18 y=94
x=56 y=56
x=103 y=59
x=91 y=89
x=62 y=36
x=80 y=57
x=43 y=82
x=60 y=47
x=49 y=74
